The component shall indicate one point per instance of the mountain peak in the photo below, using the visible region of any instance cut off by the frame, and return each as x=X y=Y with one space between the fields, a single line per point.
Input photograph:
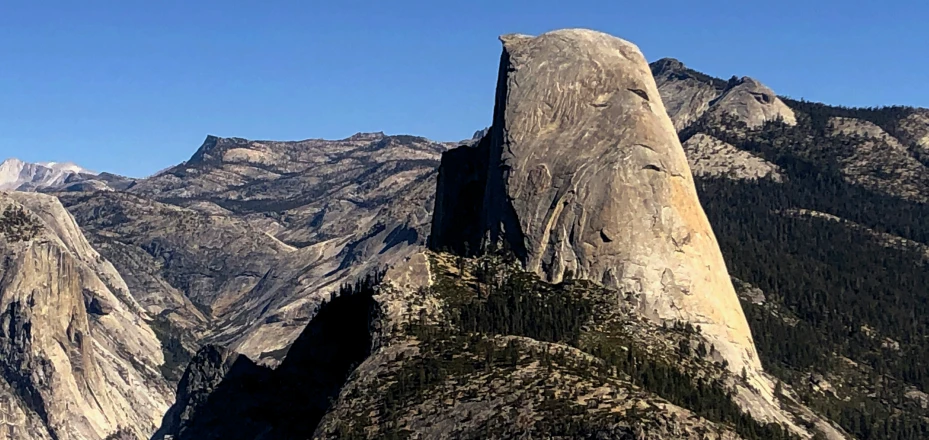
x=667 y=65
x=11 y=161
x=17 y=174
x=365 y=136
x=67 y=167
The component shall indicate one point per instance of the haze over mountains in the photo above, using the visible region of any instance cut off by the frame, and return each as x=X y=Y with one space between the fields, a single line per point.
x=555 y=275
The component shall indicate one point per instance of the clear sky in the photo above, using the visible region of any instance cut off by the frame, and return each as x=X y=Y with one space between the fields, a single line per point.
x=133 y=86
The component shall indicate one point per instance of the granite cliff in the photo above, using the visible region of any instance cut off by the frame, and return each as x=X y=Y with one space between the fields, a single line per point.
x=77 y=356
x=585 y=175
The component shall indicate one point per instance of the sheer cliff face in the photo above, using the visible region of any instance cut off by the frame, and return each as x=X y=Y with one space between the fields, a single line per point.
x=586 y=174
x=77 y=360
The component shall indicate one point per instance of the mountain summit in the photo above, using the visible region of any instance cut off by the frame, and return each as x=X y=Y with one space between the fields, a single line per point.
x=16 y=174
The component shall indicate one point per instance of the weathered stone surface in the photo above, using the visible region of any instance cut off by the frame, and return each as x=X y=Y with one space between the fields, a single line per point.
x=712 y=157
x=78 y=359
x=880 y=162
x=752 y=103
x=914 y=131
x=686 y=96
x=586 y=174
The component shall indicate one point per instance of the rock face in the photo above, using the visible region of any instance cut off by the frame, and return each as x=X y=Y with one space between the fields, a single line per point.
x=751 y=102
x=712 y=157
x=688 y=95
x=77 y=358
x=586 y=175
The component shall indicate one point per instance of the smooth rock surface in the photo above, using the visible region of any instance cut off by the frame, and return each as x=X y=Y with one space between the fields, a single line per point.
x=752 y=103
x=586 y=174
x=78 y=359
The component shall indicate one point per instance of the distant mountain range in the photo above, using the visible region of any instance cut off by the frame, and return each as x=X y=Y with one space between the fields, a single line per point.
x=16 y=175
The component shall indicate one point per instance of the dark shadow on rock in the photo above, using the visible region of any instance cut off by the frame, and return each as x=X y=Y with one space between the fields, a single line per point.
x=457 y=218
x=227 y=396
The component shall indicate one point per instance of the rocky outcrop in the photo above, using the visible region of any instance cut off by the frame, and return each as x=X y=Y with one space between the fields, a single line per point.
x=202 y=377
x=711 y=157
x=879 y=161
x=78 y=359
x=688 y=95
x=751 y=103
x=225 y=395
x=914 y=131
x=586 y=176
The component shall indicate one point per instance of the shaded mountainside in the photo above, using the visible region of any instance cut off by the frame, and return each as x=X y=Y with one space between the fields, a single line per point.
x=836 y=244
x=227 y=396
x=483 y=350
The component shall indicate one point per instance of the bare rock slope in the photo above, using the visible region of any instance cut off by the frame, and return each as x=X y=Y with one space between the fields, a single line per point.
x=77 y=357
x=239 y=244
x=711 y=157
x=689 y=95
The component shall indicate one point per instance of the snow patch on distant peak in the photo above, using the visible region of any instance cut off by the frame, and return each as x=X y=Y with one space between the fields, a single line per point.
x=16 y=174
x=67 y=167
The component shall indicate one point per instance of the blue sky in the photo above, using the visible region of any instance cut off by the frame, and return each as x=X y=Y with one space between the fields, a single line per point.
x=133 y=86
